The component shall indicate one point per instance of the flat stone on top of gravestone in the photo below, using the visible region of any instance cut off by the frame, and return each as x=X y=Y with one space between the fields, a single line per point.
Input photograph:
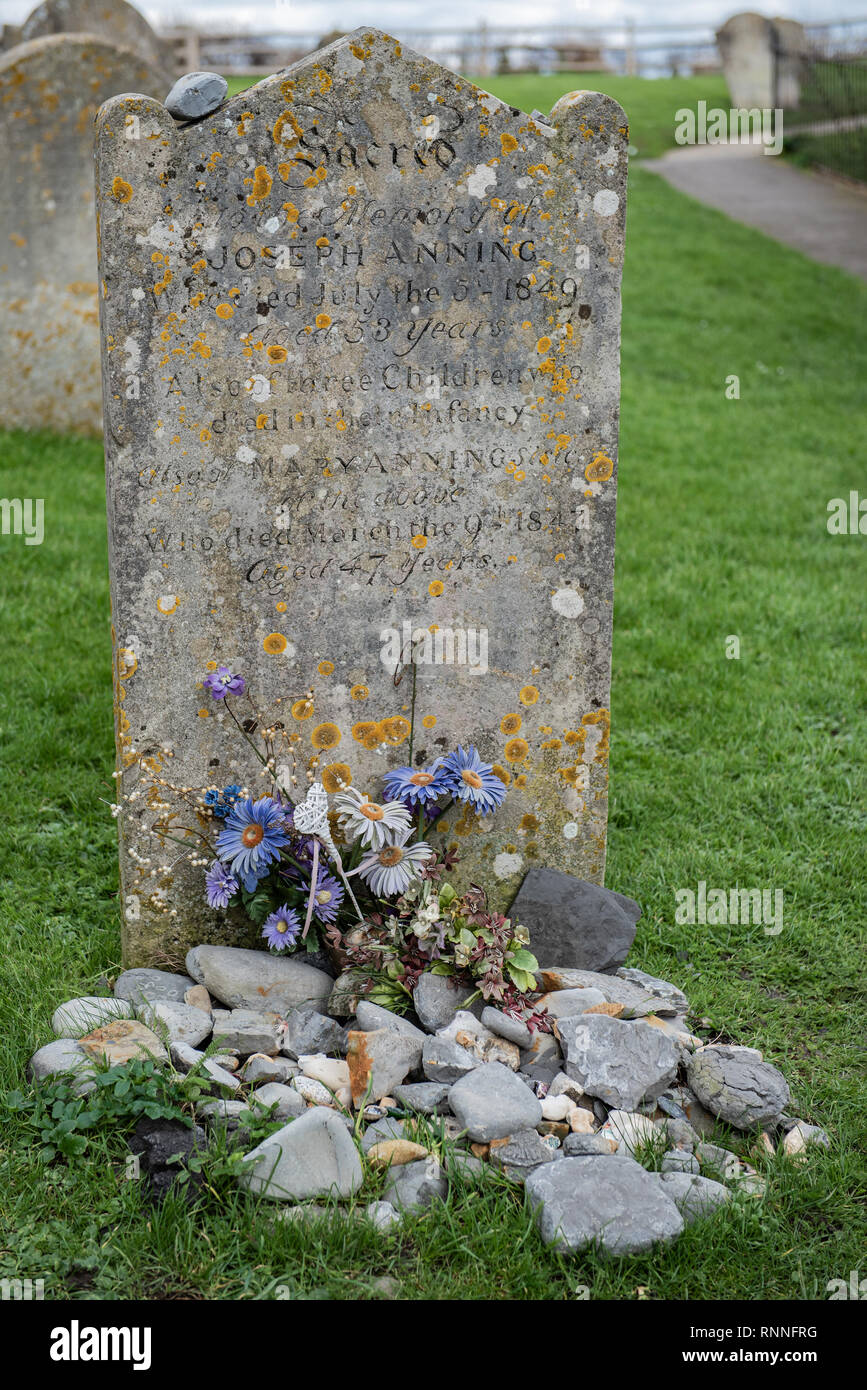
x=369 y=389
x=113 y=20
x=50 y=91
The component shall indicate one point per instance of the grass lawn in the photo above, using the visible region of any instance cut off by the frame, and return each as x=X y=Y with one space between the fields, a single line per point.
x=746 y=772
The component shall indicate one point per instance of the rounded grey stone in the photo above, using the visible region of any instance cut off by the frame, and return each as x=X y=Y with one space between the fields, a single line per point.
x=512 y=1029
x=427 y=1097
x=174 y=1022
x=737 y=1087
x=436 y=1001
x=679 y=1161
x=79 y=1016
x=312 y=1156
x=244 y=979
x=413 y=1186
x=58 y=1057
x=147 y=984
x=372 y=1017
x=310 y=1031
x=573 y=922
x=446 y=1061
x=491 y=1103
x=612 y=1201
x=288 y=1102
x=196 y=94
x=694 y=1196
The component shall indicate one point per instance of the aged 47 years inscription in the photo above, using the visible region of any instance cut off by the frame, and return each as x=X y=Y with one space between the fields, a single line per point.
x=361 y=376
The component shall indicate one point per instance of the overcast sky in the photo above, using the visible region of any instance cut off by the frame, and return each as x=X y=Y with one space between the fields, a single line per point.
x=319 y=16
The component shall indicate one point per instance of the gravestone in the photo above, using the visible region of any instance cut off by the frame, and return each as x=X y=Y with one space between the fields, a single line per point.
x=361 y=368
x=50 y=91
x=762 y=60
x=113 y=20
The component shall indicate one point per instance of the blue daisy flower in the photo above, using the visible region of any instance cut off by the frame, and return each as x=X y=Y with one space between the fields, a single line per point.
x=327 y=897
x=281 y=928
x=416 y=785
x=220 y=885
x=469 y=779
x=253 y=838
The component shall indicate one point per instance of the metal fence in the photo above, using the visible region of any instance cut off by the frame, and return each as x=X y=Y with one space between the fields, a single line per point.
x=828 y=126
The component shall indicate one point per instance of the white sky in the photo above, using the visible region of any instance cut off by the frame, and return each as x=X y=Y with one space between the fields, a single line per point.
x=319 y=16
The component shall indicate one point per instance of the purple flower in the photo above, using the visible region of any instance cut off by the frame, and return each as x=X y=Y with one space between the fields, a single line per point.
x=222 y=683
x=220 y=885
x=281 y=928
x=327 y=897
x=469 y=779
x=253 y=838
x=416 y=785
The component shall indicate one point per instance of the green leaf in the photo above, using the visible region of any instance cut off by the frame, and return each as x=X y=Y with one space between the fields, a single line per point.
x=72 y=1145
x=524 y=960
x=442 y=967
x=121 y=1087
x=447 y=896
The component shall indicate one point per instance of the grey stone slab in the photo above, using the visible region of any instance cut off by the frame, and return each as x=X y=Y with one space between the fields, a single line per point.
x=427 y=1097
x=619 y=1063
x=370 y=1017
x=636 y=1000
x=246 y=979
x=732 y=1084
x=446 y=1061
x=610 y=1200
x=392 y=305
x=288 y=1102
x=310 y=1157
x=578 y=924
x=519 y=1154
x=491 y=1103
x=174 y=1022
x=310 y=1031
x=413 y=1186
x=379 y=1061
x=436 y=999
x=246 y=1031
x=78 y=1016
x=693 y=1196
x=140 y=985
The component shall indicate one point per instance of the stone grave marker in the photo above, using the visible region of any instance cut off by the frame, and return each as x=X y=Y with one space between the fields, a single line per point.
x=361 y=367
x=113 y=20
x=50 y=91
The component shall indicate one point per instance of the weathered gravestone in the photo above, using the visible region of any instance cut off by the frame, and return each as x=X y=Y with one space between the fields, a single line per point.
x=361 y=336
x=113 y=20
x=50 y=91
x=762 y=60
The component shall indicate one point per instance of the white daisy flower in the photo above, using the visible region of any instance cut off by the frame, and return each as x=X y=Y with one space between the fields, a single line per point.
x=370 y=821
x=390 y=869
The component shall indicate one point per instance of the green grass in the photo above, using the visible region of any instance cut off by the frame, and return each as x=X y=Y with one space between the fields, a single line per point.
x=743 y=772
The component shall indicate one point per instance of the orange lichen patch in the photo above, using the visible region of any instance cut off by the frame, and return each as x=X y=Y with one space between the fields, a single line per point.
x=467 y=822
x=528 y=695
x=365 y=730
x=262 y=421
x=204 y=435
x=204 y=713
x=503 y=773
x=325 y=668
x=394 y=730
x=286 y=118
x=316 y=177
x=419 y=542
x=511 y=723
x=276 y=354
x=611 y=1010
x=551 y=743
x=322 y=241
x=429 y=721
x=516 y=750
x=600 y=470
x=199 y=348
x=325 y=736
x=168 y=604
x=543 y=345
x=521 y=780
x=275 y=643
x=242 y=122
x=529 y=822
x=435 y=588
x=508 y=143
x=323 y=320
x=121 y=190
x=359 y=692
x=302 y=709
x=289 y=208
x=224 y=311
x=281 y=607
x=575 y=736
x=336 y=776
x=570 y=775
x=603 y=717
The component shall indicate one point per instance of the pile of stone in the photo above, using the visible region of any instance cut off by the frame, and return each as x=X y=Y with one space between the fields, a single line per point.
x=607 y=1120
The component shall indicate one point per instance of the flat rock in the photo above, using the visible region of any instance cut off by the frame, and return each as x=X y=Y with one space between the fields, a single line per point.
x=679 y=1161
x=124 y=1041
x=427 y=1097
x=195 y=95
x=308 y=1030
x=413 y=1186
x=312 y=1156
x=383 y=1215
x=261 y=1068
x=674 y=997
x=379 y=1061
x=142 y=984
x=287 y=1100
x=630 y=1131
x=248 y=1030
x=636 y=1000
x=491 y=1103
x=610 y=1200
x=735 y=1086
x=512 y=1029
x=489 y=1049
x=443 y=1060
x=79 y=1016
x=436 y=1001
x=175 y=1022
x=370 y=1018
x=244 y=979
x=563 y=1003
x=59 y=1057
x=518 y=1154
x=576 y=923
x=585 y=1145
x=395 y=1152
x=693 y=1196
x=619 y=1063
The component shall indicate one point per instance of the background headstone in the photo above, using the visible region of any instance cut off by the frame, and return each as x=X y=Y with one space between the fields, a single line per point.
x=361 y=366
x=50 y=91
x=761 y=60
x=113 y=20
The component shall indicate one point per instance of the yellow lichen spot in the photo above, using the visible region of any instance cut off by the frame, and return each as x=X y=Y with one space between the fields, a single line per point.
x=435 y=588
x=516 y=750
x=503 y=773
x=167 y=604
x=511 y=723
x=275 y=643
x=558 y=558
x=204 y=713
x=121 y=190
x=359 y=692
x=600 y=470
x=322 y=241
x=429 y=721
x=529 y=822
x=262 y=421
x=364 y=731
x=224 y=311
x=204 y=435
x=281 y=607
x=528 y=695
x=325 y=736
x=419 y=542
x=551 y=743
x=323 y=320
x=276 y=354
x=394 y=730
x=508 y=143
x=325 y=668
x=543 y=344
x=335 y=777
x=302 y=709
